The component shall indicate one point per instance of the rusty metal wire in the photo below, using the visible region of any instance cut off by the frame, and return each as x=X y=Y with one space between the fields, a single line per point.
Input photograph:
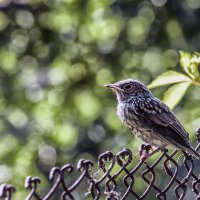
x=117 y=178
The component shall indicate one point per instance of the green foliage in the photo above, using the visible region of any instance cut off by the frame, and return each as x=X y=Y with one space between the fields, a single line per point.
x=190 y=63
x=169 y=77
x=175 y=93
x=56 y=56
x=181 y=82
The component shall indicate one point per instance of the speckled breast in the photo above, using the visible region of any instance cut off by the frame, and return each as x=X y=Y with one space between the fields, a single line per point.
x=130 y=120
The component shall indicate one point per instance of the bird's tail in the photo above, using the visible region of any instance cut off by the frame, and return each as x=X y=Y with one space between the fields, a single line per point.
x=193 y=152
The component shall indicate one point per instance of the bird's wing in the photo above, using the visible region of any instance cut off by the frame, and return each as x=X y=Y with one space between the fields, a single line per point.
x=154 y=110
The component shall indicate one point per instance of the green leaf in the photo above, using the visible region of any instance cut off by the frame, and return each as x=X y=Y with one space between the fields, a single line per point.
x=190 y=63
x=175 y=93
x=169 y=77
x=196 y=57
x=193 y=68
x=185 y=60
x=194 y=64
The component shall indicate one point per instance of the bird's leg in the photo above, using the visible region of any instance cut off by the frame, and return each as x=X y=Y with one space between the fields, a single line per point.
x=142 y=148
x=145 y=149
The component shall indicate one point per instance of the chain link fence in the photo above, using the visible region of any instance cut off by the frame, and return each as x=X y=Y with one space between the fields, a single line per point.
x=116 y=178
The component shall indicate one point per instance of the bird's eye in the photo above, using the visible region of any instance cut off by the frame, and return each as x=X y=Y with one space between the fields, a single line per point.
x=128 y=87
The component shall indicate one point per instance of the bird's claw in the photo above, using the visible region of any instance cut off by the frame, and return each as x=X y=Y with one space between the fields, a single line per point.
x=146 y=151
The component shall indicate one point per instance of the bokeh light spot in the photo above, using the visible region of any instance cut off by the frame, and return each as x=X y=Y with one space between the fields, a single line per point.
x=158 y=3
x=47 y=154
x=193 y=4
x=170 y=58
x=41 y=50
x=104 y=76
x=87 y=104
x=19 y=41
x=8 y=61
x=56 y=97
x=24 y=18
x=138 y=29
x=18 y=118
x=34 y=93
x=6 y=173
x=77 y=72
x=4 y=21
x=58 y=75
x=148 y=13
x=43 y=114
x=68 y=34
x=173 y=29
x=96 y=133
x=152 y=55
x=66 y=136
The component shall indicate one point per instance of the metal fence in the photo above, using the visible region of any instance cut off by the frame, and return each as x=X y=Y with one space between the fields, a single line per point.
x=116 y=178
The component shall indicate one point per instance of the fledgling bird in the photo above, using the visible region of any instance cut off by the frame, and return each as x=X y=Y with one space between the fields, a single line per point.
x=149 y=118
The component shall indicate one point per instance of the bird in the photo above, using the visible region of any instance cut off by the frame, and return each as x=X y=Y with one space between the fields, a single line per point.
x=149 y=118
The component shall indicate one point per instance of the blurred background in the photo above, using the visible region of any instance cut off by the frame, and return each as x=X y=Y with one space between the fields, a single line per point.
x=56 y=56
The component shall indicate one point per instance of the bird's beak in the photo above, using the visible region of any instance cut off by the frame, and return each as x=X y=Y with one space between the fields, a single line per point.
x=114 y=87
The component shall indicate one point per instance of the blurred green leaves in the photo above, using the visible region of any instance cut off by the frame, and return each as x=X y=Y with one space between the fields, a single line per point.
x=66 y=136
x=56 y=56
x=4 y=21
x=8 y=61
x=189 y=63
x=87 y=105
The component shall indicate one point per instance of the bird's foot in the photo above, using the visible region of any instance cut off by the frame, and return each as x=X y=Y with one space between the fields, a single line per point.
x=146 y=151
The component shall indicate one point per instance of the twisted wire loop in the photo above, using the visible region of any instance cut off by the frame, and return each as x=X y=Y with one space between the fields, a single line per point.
x=6 y=191
x=118 y=177
x=31 y=183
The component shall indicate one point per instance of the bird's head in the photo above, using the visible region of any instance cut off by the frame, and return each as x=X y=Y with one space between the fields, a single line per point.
x=126 y=89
